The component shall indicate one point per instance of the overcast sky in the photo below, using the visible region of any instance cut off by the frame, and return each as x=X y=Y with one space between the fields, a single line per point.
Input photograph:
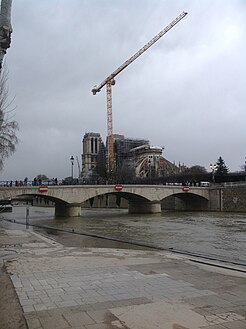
x=186 y=93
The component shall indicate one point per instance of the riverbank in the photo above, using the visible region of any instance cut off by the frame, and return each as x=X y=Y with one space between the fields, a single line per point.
x=57 y=286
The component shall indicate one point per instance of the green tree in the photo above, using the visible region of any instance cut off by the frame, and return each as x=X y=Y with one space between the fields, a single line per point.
x=221 y=168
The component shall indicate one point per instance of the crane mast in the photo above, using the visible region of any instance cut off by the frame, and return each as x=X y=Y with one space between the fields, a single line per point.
x=109 y=82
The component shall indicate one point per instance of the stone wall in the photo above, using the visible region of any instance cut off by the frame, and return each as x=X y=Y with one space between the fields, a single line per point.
x=215 y=203
x=233 y=199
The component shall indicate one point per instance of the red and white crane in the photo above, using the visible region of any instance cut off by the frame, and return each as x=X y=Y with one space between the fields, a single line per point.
x=109 y=82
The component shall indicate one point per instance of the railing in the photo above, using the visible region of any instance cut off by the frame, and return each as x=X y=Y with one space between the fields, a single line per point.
x=29 y=183
x=56 y=182
x=233 y=184
x=90 y=182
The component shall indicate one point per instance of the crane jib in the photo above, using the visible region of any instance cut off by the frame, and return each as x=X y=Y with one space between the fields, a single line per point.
x=96 y=89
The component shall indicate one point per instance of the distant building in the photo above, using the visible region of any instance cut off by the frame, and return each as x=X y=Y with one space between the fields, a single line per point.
x=93 y=154
x=123 y=146
x=149 y=162
x=135 y=158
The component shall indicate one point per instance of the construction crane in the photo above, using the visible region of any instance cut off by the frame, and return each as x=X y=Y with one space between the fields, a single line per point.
x=110 y=81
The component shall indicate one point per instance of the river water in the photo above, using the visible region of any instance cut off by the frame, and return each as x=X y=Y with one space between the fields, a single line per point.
x=213 y=234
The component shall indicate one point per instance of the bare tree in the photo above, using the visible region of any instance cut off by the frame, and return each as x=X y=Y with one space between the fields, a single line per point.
x=5 y=28
x=8 y=126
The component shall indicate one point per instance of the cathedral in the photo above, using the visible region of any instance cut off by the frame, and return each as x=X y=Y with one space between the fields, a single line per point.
x=134 y=157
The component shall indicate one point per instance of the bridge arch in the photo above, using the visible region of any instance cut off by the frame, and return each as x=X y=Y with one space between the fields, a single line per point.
x=62 y=207
x=129 y=196
x=136 y=203
x=185 y=201
x=27 y=197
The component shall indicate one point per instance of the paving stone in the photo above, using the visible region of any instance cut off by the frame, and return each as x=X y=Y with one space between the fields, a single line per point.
x=216 y=326
x=240 y=309
x=102 y=305
x=54 y=322
x=40 y=307
x=99 y=326
x=235 y=325
x=66 y=303
x=202 y=310
x=33 y=323
x=76 y=319
x=28 y=308
x=123 y=302
x=101 y=316
x=71 y=288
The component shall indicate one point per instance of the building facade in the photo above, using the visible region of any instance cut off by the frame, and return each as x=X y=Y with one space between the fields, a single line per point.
x=92 y=154
x=123 y=146
x=134 y=158
x=149 y=162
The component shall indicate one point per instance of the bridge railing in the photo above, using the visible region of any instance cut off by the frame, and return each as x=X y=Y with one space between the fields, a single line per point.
x=29 y=183
x=56 y=182
x=232 y=184
x=90 y=182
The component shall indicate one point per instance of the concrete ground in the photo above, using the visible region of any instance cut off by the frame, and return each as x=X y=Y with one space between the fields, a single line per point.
x=82 y=288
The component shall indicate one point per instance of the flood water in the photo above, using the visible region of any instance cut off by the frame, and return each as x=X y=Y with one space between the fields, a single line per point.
x=213 y=234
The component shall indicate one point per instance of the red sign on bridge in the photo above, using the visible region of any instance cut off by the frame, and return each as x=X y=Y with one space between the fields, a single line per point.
x=186 y=188
x=43 y=189
x=118 y=187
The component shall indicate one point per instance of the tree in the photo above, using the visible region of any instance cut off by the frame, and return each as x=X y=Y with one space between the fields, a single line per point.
x=197 y=170
x=243 y=167
x=5 y=28
x=8 y=126
x=42 y=177
x=221 y=168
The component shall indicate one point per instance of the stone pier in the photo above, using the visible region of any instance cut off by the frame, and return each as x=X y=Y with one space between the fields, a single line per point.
x=144 y=207
x=67 y=210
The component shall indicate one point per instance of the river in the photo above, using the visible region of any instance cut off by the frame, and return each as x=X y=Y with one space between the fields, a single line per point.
x=212 y=234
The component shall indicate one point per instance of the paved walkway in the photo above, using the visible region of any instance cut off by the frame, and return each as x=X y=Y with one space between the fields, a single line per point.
x=62 y=287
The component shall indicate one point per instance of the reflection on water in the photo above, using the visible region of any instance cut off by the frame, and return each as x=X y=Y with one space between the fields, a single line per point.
x=221 y=235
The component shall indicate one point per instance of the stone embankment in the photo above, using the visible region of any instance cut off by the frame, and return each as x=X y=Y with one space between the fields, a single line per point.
x=68 y=287
x=234 y=199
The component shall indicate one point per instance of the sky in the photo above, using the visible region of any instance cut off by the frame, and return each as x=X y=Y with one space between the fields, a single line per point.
x=186 y=93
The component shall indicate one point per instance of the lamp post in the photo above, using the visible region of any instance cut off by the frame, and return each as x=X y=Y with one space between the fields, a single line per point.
x=213 y=167
x=72 y=163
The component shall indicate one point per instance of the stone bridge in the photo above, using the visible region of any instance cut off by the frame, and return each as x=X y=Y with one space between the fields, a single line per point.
x=141 y=198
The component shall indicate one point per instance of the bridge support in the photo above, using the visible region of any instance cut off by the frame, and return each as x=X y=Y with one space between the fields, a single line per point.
x=144 y=207
x=67 y=210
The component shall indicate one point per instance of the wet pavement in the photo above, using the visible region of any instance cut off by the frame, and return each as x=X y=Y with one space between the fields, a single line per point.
x=70 y=287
